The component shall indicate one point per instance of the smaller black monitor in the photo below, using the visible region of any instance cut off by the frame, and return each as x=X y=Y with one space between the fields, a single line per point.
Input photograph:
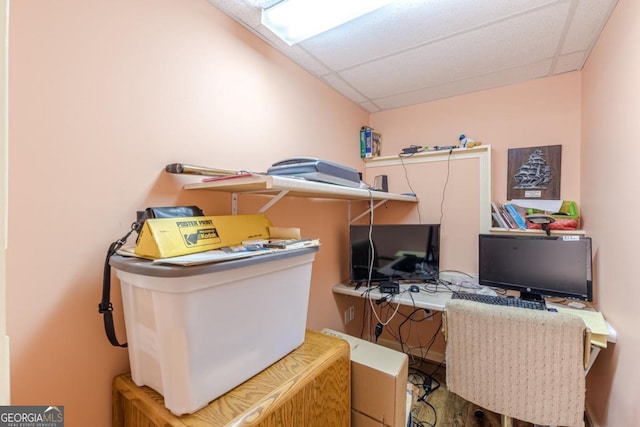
x=537 y=266
x=394 y=252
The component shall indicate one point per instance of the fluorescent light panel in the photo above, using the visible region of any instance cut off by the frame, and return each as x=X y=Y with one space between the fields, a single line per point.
x=297 y=20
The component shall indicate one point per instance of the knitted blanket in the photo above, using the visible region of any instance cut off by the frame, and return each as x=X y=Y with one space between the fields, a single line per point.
x=526 y=364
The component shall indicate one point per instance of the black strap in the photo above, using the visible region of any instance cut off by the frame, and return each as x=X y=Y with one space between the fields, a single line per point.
x=105 y=307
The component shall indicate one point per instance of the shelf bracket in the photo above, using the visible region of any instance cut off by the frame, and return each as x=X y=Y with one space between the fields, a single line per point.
x=366 y=212
x=273 y=201
x=234 y=203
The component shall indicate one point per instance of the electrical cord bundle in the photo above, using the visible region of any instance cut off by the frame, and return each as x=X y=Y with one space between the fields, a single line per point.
x=378 y=304
x=425 y=383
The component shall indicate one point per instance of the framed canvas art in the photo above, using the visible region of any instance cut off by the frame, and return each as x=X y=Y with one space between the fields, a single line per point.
x=534 y=173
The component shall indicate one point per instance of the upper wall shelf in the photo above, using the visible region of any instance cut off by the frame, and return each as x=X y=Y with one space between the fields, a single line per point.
x=429 y=156
x=280 y=186
x=535 y=231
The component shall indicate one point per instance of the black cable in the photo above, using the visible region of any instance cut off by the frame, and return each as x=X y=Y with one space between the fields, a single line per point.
x=366 y=314
x=444 y=188
x=434 y=384
x=414 y=375
x=408 y=318
x=457 y=271
x=423 y=423
x=429 y=383
x=379 y=327
x=406 y=177
x=426 y=384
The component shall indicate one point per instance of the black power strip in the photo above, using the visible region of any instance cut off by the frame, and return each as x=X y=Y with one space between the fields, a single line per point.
x=389 y=287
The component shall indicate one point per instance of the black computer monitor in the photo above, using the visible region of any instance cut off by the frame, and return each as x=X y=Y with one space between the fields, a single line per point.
x=394 y=252
x=537 y=266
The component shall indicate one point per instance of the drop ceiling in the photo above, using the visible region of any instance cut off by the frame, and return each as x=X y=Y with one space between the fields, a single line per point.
x=415 y=51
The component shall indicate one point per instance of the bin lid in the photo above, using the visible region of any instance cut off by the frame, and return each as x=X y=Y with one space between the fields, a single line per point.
x=147 y=267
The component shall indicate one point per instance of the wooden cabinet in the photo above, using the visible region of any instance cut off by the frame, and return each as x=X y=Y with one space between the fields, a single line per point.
x=310 y=387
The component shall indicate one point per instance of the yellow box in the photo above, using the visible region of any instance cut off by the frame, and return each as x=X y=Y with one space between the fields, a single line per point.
x=169 y=237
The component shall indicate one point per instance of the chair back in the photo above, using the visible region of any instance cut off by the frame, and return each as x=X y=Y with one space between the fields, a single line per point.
x=521 y=363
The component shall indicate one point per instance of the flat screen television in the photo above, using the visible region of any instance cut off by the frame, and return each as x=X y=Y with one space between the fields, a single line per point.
x=394 y=252
x=537 y=266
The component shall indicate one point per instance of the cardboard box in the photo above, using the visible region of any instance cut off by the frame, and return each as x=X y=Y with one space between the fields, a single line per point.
x=379 y=378
x=359 y=419
x=169 y=237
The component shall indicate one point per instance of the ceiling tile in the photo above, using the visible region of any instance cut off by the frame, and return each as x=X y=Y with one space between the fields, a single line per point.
x=485 y=50
x=407 y=24
x=470 y=85
x=343 y=87
x=415 y=51
x=570 y=62
x=586 y=24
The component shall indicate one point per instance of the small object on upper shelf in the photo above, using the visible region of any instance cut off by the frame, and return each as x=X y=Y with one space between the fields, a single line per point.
x=566 y=218
x=183 y=168
x=412 y=149
x=468 y=142
x=315 y=169
x=442 y=147
x=370 y=142
x=541 y=219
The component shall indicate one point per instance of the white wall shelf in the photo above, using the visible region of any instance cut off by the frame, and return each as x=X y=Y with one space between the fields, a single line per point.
x=498 y=230
x=428 y=156
x=280 y=186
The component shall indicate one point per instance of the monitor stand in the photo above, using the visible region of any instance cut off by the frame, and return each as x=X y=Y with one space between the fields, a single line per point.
x=531 y=296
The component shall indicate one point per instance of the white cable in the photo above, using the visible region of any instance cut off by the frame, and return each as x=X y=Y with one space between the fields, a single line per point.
x=376 y=314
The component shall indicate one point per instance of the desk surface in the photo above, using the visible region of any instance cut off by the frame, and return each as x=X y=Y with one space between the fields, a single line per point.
x=431 y=297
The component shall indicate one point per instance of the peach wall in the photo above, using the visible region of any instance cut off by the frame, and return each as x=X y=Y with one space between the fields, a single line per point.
x=610 y=175
x=539 y=112
x=104 y=94
x=448 y=193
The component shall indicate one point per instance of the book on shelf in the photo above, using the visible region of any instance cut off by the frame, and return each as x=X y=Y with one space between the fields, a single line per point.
x=365 y=142
x=505 y=220
x=370 y=142
x=517 y=217
x=376 y=143
x=498 y=220
x=508 y=216
x=498 y=216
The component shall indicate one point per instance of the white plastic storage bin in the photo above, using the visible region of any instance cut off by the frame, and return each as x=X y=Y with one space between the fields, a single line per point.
x=196 y=332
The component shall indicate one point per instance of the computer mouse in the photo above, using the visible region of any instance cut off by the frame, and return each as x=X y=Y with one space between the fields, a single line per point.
x=576 y=304
x=414 y=288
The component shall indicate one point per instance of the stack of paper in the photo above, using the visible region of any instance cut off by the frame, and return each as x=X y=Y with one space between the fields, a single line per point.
x=593 y=319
